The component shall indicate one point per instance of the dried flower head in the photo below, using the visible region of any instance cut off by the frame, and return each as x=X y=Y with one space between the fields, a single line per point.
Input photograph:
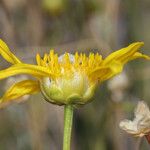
x=140 y=126
x=68 y=79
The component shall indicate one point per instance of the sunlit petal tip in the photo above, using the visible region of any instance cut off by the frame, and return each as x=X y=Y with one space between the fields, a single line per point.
x=38 y=59
x=140 y=43
x=37 y=55
x=135 y=46
x=125 y=54
x=51 y=51
x=3 y=44
x=137 y=43
x=140 y=55
x=146 y=57
x=7 y=54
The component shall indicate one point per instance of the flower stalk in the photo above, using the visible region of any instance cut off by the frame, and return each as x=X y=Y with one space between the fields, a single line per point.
x=68 y=119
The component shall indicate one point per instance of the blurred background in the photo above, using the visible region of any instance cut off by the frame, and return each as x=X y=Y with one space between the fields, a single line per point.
x=31 y=26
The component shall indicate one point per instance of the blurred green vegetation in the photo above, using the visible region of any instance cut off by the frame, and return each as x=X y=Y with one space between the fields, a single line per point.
x=76 y=25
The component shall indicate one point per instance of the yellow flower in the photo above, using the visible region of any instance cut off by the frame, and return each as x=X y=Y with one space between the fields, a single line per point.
x=68 y=79
x=140 y=126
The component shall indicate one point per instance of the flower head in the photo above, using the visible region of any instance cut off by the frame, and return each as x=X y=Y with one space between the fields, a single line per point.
x=140 y=126
x=68 y=79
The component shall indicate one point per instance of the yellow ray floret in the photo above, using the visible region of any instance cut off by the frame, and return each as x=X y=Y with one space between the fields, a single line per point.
x=125 y=54
x=36 y=71
x=20 y=89
x=5 y=52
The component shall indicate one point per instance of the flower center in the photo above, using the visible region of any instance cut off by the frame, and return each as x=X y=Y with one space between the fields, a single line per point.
x=72 y=84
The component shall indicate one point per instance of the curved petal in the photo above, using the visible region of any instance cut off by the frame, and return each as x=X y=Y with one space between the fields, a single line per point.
x=35 y=71
x=99 y=73
x=7 y=54
x=106 y=72
x=20 y=89
x=139 y=55
x=126 y=54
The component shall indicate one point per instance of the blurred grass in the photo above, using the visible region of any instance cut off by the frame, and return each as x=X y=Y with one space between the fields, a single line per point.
x=100 y=26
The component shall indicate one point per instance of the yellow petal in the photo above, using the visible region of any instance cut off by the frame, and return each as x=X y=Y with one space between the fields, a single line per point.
x=36 y=71
x=99 y=72
x=125 y=54
x=7 y=54
x=106 y=72
x=139 y=55
x=20 y=89
x=38 y=59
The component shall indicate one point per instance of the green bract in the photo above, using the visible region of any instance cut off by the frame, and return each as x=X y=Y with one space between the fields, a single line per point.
x=74 y=90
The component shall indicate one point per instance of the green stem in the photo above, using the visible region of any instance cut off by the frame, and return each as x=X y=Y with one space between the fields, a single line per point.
x=68 y=117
